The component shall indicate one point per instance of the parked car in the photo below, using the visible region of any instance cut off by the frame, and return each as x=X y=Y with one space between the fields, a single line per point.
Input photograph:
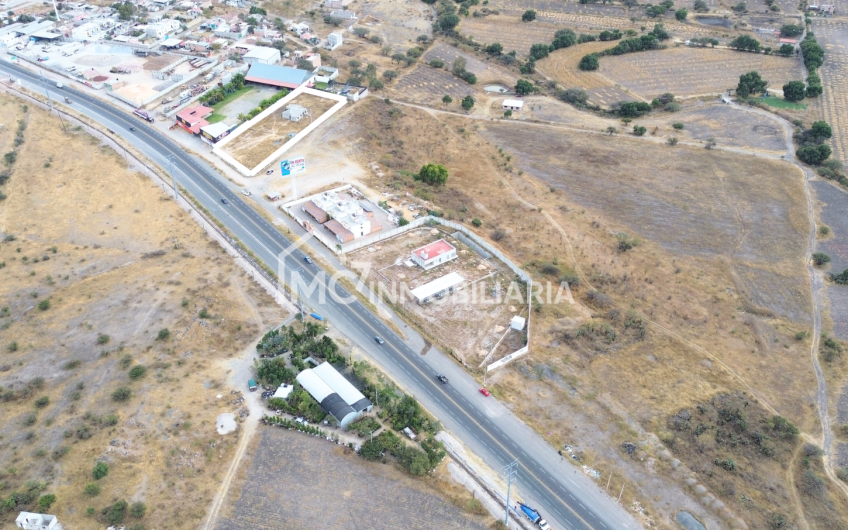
x=379 y=340
x=442 y=379
x=251 y=385
x=407 y=431
x=245 y=192
x=484 y=391
x=269 y=171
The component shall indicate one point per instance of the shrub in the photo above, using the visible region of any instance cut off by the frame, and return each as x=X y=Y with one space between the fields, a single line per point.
x=138 y=509
x=678 y=126
x=639 y=130
x=589 y=62
x=101 y=469
x=820 y=258
x=203 y=313
x=74 y=363
x=13 y=346
x=371 y=450
x=91 y=490
x=42 y=402
x=467 y=102
x=45 y=501
x=116 y=513
x=436 y=63
x=102 y=338
x=163 y=334
x=121 y=394
x=477 y=222
x=44 y=305
x=137 y=372
x=432 y=174
x=528 y=16
x=813 y=154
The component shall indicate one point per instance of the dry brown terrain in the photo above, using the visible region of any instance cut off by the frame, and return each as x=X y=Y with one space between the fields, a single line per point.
x=708 y=303
x=117 y=261
x=260 y=141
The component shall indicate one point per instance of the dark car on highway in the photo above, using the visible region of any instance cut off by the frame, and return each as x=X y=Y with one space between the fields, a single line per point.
x=379 y=340
x=225 y=201
x=442 y=379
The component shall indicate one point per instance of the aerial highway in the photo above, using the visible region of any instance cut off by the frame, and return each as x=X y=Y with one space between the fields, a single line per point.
x=566 y=497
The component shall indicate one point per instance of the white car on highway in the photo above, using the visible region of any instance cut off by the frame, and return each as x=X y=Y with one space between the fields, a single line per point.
x=245 y=192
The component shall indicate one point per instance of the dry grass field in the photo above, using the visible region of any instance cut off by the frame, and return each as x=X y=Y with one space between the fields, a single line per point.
x=831 y=35
x=728 y=126
x=398 y=22
x=330 y=487
x=486 y=71
x=685 y=71
x=501 y=28
x=561 y=65
x=261 y=140
x=719 y=261
x=101 y=261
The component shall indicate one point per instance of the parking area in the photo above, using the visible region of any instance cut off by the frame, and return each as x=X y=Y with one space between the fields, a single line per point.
x=298 y=481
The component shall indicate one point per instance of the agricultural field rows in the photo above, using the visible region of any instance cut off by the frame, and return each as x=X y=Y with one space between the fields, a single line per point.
x=562 y=66
x=833 y=36
x=428 y=85
x=499 y=28
x=687 y=71
x=485 y=72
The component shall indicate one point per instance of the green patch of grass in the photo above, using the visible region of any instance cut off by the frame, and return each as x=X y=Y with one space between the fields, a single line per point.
x=215 y=117
x=321 y=86
x=783 y=104
x=230 y=98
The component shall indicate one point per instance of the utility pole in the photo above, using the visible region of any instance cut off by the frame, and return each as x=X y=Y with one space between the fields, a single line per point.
x=50 y=101
x=620 y=494
x=173 y=177
x=509 y=470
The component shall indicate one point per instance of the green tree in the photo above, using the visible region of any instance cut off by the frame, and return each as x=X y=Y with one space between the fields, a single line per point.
x=589 y=62
x=564 y=38
x=528 y=16
x=794 y=91
x=122 y=394
x=524 y=87
x=447 y=99
x=814 y=90
x=494 y=49
x=638 y=130
x=813 y=154
x=448 y=22
x=701 y=6
x=371 y=450
x=433 y=174
x=750 y=83
x=163 y=334
x=655 y=11
x=539 y=51
x=786 y=50
x=467 y=102
x=791 y=30
x=101 y=469
x=820 y=258
x=116 y=513
x=44 y=305
x=126 y=10
x=137 y=372
x=681 y=14
x=45 y=501
x=821 y=130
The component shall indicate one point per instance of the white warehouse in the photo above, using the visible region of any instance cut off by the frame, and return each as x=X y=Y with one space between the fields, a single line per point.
x=335 y=393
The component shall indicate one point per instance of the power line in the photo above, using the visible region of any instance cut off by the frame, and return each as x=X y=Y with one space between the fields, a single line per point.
x=509 y=470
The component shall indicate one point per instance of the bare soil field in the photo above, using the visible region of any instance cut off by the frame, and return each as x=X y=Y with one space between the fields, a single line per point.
x=469 y=321
x=705 y=224
x=834 y=204
x=399 y=22
x=299 y=481
x=686 y=71
x=728 y=126
x=95 y=265
x=486 y=71
x=261 y=140
x=553 y=110
x=832 y=34
x=429 y=85
x=561 y=65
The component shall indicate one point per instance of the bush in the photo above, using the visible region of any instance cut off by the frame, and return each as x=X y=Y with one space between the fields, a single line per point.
x=371 y=450
x=101 y=469
x=116 y=513
x=437 y=63
x=467 y=102
x=794 y=91
x=432 y=174
x=813 y=154
x=42 y=402
x=203 y=313
x=44 y=305
x=638 y=130
x=138 y=509
x=528 y=16
x=163 y=334
x=45 y=501
x=122 y=394
x=477 y=222
x=91 y=490
x=820 y=258
x=678 y=126
x=589 y=62
x=137 y=372
x=575 y=96
x=102 y=338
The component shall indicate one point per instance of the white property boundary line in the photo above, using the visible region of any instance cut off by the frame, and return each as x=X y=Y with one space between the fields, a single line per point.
x=219 y=147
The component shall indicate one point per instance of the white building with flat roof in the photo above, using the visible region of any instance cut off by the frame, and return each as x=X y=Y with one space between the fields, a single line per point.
x=438 y=287
x=262 y=54
x=37 y=521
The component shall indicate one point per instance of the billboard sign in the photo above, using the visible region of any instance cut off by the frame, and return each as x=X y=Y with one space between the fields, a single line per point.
x=292 y=166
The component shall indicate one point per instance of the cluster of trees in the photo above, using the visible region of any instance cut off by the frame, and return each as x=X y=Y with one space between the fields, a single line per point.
x=659 y=10
x=813 y=55
x=412 y=459
x=576 y=96
x=649 y=41
x=9 y=160
x=358 y=75
x=703 y=42
x=745 y=43
x=264 y=104
x=524 y=87
x=273 y=371
x=458 y=69
x=29 y=498
x=299 y=403
x=812 y=148
x=791 y=30
x=216 y=95
x=665 y=102
x=832 y=170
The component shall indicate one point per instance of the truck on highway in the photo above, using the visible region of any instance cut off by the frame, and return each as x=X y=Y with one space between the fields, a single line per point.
x=143 y=115
x=534 y=516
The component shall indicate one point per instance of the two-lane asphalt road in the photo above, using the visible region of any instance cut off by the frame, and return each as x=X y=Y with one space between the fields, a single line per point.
x=567 y=499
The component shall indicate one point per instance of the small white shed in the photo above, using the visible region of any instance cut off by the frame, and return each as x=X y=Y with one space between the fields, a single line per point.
x=513 y=104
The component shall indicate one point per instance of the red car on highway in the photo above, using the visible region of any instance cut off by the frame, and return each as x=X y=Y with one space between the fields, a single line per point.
x=484 y=391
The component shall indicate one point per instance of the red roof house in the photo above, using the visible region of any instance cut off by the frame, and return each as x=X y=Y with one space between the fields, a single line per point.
x=191 y=119
x=434 y=254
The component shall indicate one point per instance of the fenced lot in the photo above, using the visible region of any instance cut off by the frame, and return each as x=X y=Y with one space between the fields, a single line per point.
x=426 y=84
x=298 y=481
x=832 y=35
x=690 y=71
x=260 y=141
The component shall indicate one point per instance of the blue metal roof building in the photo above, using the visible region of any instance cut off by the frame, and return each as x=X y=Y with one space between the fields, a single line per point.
x=281 y=76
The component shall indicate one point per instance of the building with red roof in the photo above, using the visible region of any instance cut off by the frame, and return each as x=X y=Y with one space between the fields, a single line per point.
x=192 y=118
x=435 y=253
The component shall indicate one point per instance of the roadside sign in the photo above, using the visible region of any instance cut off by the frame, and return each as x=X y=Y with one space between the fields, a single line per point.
x=292 y=166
